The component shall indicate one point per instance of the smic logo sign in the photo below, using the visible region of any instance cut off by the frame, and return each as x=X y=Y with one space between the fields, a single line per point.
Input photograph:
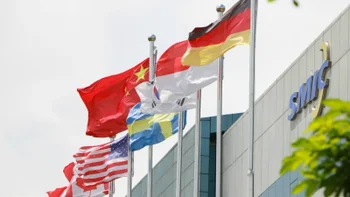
x=314 y=88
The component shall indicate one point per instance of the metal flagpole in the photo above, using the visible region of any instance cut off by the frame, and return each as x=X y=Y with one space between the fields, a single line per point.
x=179 y=156
x=111 y=184
x=253 y=15
x=197 y=145
x=152 y=62
x=220 y=9
x=130 y=169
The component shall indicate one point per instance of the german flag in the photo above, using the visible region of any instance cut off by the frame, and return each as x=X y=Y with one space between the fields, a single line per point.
x=206 y=44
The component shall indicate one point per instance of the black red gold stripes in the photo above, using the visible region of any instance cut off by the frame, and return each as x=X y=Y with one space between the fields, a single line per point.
x=205 y=44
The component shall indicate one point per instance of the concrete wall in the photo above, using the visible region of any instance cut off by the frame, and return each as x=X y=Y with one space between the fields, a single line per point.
x=273 y=131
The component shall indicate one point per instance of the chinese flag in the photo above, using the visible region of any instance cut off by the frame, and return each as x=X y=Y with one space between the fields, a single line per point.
x=109 y=100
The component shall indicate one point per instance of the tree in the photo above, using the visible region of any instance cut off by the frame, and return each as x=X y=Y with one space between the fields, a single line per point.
x=295 y=2
x=323 y=158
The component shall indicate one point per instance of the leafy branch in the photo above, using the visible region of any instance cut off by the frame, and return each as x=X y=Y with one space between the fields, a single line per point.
x=324 y=157
x=295 y=2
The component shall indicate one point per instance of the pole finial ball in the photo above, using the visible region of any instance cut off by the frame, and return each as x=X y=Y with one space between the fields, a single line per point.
x=220 y=8
x=152 y=37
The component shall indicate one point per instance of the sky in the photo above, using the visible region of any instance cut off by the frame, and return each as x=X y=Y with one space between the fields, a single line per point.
x=48 y=48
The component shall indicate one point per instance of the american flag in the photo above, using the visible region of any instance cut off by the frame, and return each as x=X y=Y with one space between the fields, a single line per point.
x=102 y=163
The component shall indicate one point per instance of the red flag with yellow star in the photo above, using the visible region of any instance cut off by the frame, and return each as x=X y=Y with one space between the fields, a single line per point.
x=109 y=100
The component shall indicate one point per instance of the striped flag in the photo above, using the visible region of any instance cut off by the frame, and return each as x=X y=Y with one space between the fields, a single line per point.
x=102 y=163
x=73 y=190
x=206 y=44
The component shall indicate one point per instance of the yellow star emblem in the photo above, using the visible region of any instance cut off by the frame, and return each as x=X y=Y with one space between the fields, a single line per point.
x=126 y=91
x=141 y=73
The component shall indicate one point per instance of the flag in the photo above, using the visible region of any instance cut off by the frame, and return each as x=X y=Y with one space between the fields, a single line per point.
x=109 y=100
x=58 y=192
x=208 y=43
x=175 y=83
x=145 y=129
x=102 y=163
x=173 y=76
x=151 y=103
x=73 y=190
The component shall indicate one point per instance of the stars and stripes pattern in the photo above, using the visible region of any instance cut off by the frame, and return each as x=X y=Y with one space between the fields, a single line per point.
x=102 y=163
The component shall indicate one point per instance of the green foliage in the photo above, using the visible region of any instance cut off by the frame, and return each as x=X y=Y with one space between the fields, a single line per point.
x=295 y=2
x=324 y=157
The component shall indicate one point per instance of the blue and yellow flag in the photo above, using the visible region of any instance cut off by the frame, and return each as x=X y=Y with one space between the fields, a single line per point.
x=145 y=129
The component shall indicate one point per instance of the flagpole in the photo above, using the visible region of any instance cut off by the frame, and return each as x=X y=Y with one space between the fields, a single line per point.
x=151 y=39
x=111 y=184
x=130 y=169
x=179 y=156
x=220 y=9
x=197 y=145
x=253 y=15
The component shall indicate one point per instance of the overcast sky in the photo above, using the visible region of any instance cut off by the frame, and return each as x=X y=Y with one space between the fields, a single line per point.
x=48 y=48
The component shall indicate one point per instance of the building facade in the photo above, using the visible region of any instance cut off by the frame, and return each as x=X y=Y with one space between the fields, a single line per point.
x=276 y=126
x=282 y=113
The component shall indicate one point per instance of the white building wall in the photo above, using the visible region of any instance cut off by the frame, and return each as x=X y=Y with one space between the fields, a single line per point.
x=273 y=131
